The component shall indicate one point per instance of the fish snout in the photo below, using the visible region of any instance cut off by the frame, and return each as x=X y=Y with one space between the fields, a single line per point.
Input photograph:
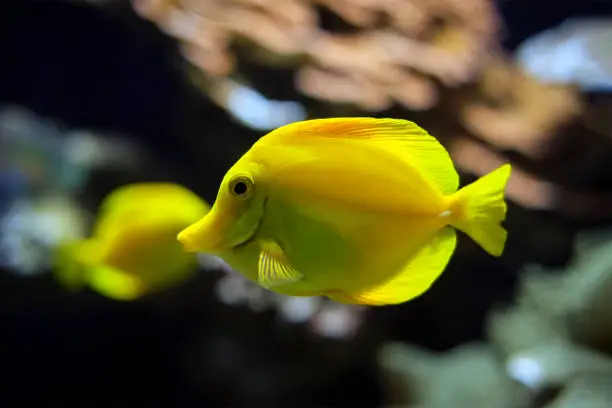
x=206 y=235
x=187 y=241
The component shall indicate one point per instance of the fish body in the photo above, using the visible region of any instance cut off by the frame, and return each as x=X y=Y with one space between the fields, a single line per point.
x=360 y=210
x=133 y=249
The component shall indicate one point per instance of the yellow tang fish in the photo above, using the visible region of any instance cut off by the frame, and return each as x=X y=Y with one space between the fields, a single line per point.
x=359 y=210
x=133 y=249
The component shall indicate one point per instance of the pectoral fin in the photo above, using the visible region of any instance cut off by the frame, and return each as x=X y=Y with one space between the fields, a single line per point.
x=416 y=277
x=274 y=269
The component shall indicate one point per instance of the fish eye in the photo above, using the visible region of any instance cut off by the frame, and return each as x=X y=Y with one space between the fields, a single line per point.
x=241 y=187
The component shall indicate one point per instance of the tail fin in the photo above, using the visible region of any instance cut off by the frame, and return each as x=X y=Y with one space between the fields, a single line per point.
x=483 y=209
x=70 y=264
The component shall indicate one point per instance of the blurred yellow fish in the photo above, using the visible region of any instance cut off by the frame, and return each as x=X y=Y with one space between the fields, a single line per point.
x=133 y=249
x=359 y=210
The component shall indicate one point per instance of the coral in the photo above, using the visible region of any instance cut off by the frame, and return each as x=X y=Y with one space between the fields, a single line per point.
x=576 y=301
x=512 y=111
x=396 y=54
x=557 y=335
x=467 y=376
x=592 y=391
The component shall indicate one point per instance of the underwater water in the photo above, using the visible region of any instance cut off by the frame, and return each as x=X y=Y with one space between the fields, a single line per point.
x=99 y=95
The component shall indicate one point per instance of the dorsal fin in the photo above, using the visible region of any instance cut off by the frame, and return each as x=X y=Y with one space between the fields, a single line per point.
x=400 y=136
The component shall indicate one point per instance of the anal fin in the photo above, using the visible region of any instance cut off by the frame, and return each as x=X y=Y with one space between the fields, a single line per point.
x=416 y=277
x=274 y=269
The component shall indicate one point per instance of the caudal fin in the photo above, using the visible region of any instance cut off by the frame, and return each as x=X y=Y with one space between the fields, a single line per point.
x=483 y=209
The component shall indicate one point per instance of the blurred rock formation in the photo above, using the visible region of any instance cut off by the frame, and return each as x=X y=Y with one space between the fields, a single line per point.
x=368 y=53
x=466 y=377
x=558 y=336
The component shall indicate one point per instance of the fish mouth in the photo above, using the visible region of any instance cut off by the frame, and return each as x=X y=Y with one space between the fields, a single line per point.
x=251 y=237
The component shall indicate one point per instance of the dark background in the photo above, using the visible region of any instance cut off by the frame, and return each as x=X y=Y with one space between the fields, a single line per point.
x=94 y=69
